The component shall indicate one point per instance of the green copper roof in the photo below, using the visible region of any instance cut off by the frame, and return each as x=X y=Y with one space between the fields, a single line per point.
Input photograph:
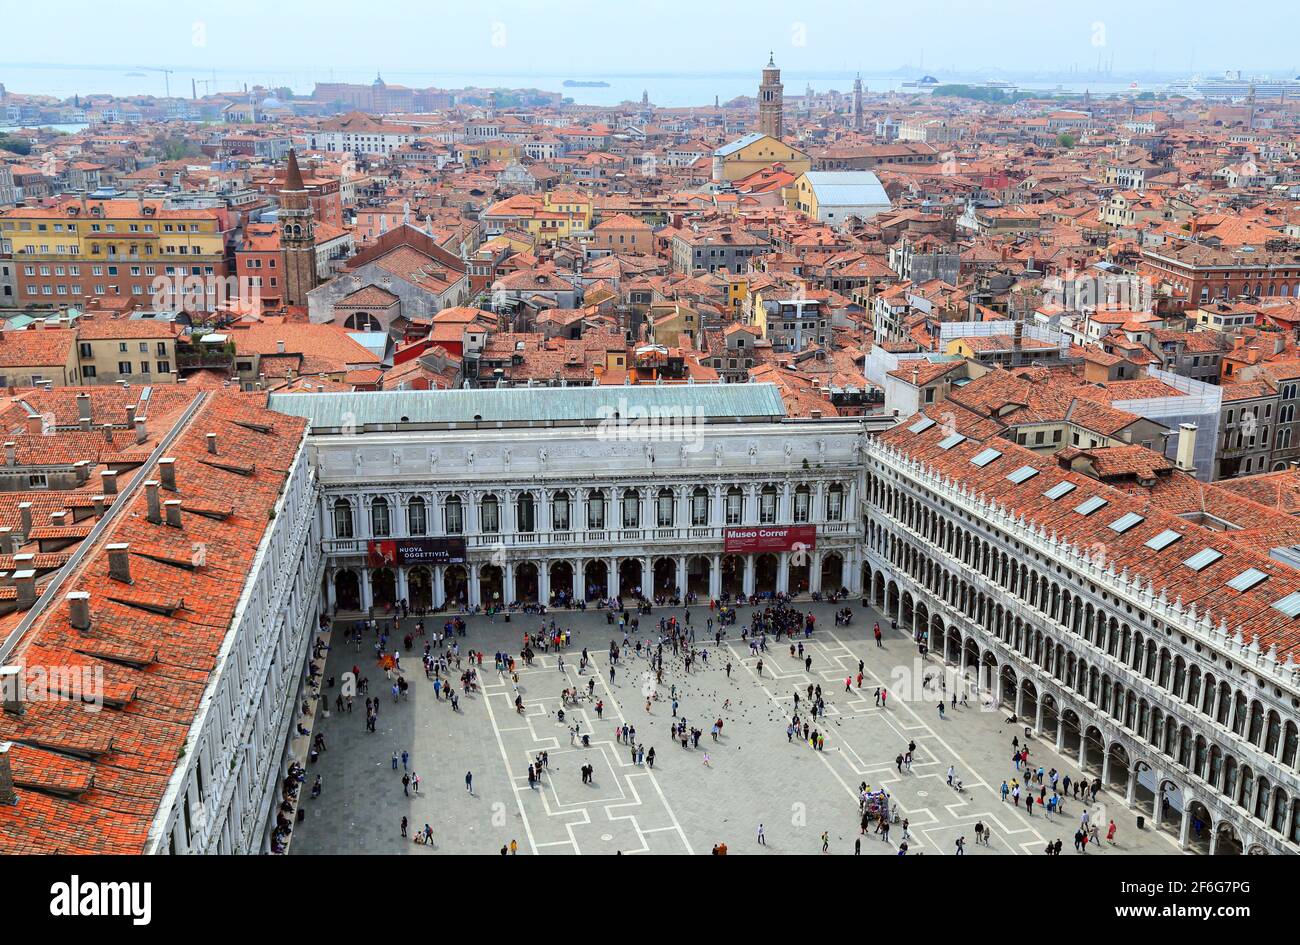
x=531 y=405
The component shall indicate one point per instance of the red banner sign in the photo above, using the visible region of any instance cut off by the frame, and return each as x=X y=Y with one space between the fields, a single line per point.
x=757 y=538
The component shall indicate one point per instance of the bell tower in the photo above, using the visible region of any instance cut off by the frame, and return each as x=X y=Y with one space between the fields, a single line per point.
x=297 y=236
x=770 y=92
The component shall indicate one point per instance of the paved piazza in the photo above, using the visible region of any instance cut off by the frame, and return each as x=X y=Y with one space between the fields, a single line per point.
x=682 y=805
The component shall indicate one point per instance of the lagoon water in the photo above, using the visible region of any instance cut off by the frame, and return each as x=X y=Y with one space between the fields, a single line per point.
x=678 y=90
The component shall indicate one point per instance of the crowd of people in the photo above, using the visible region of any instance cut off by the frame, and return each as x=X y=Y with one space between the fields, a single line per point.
x=659 y=640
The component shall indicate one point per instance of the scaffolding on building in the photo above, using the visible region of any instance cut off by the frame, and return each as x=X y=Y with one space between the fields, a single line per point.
x=1052 y=336
x=1198 y=404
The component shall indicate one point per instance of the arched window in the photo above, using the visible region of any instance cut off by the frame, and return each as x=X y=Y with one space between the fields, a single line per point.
x=342 y=518
x=735 y=505
x=525 y=513
x=380 y=525
x=417 y=519
x=596 y=510
x=835 y=503
x=700 y=506
x=631 y=509
x=489 y=519
x=767 y=505
x=453 y=516
x=560 y=512
x=802 y=503
x=665 y=509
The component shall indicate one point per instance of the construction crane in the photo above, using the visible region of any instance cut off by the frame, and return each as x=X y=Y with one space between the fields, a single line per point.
x=167 y=76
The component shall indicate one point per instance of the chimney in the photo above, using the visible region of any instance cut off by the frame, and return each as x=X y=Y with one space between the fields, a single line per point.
x=154 y=513
x=11 y=453
x=35 y=424
x=212 y=443
x=109 y=478
x=8 y=796
x=11 y=685
x=1186 y=448
x=99 y=505
x=173 y=507
x=25 y=511
x=59 y=519
x=83 y=406
x=25 y=582
x=82 y=468
x=119 y=562
x=130 y=415
x=8 y=541
x=279 y=347
x=79 y=610
x=167 y=471
x=140 y=433
x=83 y=424
x=108 y=433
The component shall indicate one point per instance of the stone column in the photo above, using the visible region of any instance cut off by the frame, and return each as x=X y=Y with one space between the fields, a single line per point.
x=438 y=593
x=681 y=574
x=715 y=576
x=611 y=577
x=1185 y=825
x=470 y=510
x=646 y=500
x=331 y=598
x=472 y=597
x=544 y=581
x=508 y=583
x=783 y=572
x=748 y=586
x=367 y=595
x=401 y=585
x=579 y=579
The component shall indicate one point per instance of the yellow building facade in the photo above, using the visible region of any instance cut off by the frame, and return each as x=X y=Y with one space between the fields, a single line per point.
x=754 y=152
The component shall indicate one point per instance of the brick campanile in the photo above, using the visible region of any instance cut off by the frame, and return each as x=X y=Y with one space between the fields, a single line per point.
x=297 y=236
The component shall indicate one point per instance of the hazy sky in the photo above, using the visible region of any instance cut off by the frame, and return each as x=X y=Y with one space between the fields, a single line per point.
x=586 y=37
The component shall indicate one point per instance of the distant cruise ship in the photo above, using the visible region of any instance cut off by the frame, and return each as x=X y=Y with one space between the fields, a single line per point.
x=925 y=82
x=1234 y=85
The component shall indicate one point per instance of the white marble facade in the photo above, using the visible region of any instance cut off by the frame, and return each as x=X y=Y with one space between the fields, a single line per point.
x=545 y=510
